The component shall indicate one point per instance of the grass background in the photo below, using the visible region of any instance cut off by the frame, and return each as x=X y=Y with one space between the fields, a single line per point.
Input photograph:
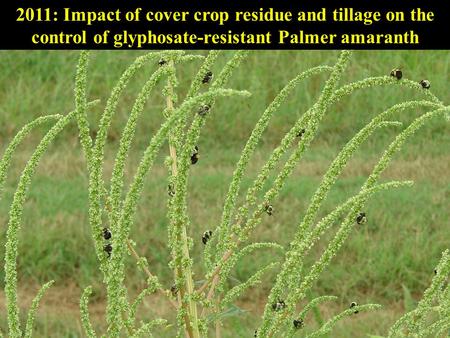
x=389 y=260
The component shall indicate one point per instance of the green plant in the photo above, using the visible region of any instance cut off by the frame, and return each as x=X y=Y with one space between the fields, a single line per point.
x=112 y=212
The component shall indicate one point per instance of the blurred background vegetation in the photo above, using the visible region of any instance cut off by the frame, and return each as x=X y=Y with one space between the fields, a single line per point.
x=389 y=260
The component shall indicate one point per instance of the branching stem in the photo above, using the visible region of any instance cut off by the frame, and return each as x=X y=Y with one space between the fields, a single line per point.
x=190 y=318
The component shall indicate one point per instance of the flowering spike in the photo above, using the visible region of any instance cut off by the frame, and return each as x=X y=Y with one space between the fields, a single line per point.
x=33 y=309
x=84 y=309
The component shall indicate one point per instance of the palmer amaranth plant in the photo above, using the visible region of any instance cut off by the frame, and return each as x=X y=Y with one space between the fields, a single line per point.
x=203 y=306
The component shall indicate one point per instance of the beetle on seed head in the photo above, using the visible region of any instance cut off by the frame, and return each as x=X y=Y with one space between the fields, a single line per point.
x=279 y=305
x=108 y=249
x=301 y=132
x=195 y=155
x=269 y=209
x=425 y=84
x=106 y=233
x=171 y=190
x=206 y=236
x=298 y=323
x=208 y=77
x=397 y=73
x=174 y=290
x=204 y=110
x=361 y=218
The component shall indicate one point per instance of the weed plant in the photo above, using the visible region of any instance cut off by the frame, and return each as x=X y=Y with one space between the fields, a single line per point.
x=203 y=303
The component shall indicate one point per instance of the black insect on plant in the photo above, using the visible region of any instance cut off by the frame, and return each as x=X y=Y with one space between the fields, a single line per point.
x=279 y=305
x=108 y=249
x=208 y=77
x=256 y=333
x=195 y=156
x=361 y=218
x=397 y=73
x=162 y=62
x=204 y=110
x=171 y=190
x=174 y=290
x=425 y=84
x=269 y=209
x=106 y=233
x=301 y=132
x=206 y=236
x=352 y=305
x=298 y=323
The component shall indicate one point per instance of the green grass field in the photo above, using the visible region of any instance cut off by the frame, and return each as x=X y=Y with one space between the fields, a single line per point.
x=389 y=260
